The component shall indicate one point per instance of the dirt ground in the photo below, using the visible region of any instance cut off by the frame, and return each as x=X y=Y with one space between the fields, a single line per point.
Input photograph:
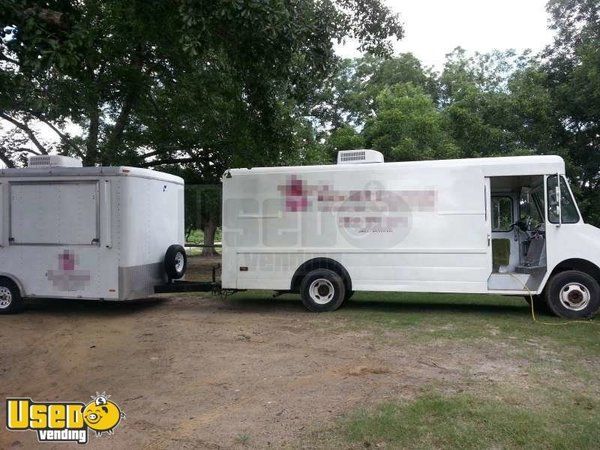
x=203 y=372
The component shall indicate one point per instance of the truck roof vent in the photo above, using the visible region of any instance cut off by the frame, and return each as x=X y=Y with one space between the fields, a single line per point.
x=38 y=161
x=361 y=156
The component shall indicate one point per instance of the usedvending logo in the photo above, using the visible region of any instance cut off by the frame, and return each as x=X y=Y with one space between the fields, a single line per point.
x=64 y=421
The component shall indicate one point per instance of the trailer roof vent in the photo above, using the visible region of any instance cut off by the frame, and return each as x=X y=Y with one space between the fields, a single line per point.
x=361 y=156
x=38 y=161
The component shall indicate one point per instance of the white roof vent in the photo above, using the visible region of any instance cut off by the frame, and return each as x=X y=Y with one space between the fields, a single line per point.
x=38 y=161
x=361 y=156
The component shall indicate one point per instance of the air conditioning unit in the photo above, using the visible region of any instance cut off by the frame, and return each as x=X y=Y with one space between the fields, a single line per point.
x=39 y=161
x=361 y=156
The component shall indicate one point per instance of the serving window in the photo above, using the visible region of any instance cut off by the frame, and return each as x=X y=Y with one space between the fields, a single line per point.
x=54 y=213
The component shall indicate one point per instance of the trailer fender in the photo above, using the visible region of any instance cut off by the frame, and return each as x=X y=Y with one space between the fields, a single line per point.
x=320 y=263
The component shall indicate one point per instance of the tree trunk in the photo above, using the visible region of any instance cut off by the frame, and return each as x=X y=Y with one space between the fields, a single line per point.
x=91 y=156
x=209 y=229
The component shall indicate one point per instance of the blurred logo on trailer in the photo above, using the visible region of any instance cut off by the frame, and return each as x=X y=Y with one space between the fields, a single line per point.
x=67 y=277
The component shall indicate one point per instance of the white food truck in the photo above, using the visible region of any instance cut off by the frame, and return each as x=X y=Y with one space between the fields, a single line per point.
x=496 y=225
x=108 y=233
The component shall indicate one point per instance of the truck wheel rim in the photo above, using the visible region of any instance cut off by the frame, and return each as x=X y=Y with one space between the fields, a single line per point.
x=575 y=296
x=179 y=262
x=5 y=297
x=321 y=291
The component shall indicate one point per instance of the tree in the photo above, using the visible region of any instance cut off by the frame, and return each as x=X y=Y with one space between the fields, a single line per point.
x=407 y=126
x=348 y=97
x=496 y=104
x=186 y=85
x=139 y=76
x=344 y=138
x=203 y=211
x=572 y=63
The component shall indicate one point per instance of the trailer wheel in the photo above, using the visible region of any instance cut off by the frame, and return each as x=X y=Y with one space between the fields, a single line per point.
x=175 y=261
x=10 y=297
x=322 y=290
x=573 y=295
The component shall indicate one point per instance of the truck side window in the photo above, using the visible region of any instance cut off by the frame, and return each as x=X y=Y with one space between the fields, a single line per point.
x=502 y=213
x=569 y=210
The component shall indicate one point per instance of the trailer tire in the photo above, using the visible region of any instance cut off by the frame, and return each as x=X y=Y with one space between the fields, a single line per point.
x=175 y=262
x=10 y=297
x=573 y=295
x=322 y=290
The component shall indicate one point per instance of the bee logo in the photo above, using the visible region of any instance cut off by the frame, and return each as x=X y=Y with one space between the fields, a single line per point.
x=101 y=414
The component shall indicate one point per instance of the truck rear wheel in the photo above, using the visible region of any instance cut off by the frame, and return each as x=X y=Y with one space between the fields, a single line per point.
x=573 y=295
x=10 y=297
x=322 y=290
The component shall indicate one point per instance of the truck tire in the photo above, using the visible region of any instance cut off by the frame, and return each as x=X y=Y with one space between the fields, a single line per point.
x=175 y=262
x=573 y=295
x=10 y=297
x=322 y=290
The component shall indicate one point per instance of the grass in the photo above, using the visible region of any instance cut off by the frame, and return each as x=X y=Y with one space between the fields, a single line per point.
x=242 y=439
x=557 y=407
x=468 y=422
x=466 y=318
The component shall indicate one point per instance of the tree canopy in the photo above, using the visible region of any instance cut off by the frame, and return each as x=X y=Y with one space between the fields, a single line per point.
x=158 y=83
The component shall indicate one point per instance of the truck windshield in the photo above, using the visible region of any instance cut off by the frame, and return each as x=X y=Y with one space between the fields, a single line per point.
x=567 y=203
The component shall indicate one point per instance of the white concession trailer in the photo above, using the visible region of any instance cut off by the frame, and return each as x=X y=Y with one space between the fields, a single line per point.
x=495 y=225
x=109 y=233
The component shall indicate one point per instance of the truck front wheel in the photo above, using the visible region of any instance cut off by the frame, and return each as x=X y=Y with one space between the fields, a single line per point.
x=573 y=295
x=10 y=297
x=322 y=290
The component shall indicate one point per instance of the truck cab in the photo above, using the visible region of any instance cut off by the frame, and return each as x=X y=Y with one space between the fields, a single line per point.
x=540 y=243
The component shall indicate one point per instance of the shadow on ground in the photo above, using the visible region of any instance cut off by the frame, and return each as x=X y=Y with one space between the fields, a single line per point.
x=396 y=304
x=262 y=303
x=89 y=307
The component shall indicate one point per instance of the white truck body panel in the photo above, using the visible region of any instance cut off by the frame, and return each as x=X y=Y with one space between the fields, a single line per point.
x=88 y=232
x=411 y=226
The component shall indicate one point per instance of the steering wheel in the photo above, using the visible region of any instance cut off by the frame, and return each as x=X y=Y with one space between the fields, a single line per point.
x=521 y=225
